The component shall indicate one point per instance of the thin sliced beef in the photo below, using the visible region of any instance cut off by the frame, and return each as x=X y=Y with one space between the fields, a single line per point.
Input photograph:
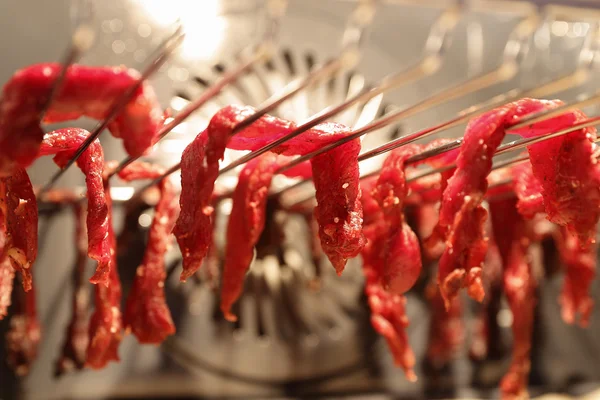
x=146 y=311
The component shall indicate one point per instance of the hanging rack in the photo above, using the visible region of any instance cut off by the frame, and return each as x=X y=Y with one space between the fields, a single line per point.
x=436 y=45
x=164 y=51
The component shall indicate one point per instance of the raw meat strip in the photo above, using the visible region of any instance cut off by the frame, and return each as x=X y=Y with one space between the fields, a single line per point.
x=336 y=179
x=461 y=211
x=76 y=342
x=23 y=336
x=513 y=237
x=86 y=91
x=106 y=325
x=146 y=311
x=21 y=223
x=246 y=223
x=388 y=313
x=580 y=269
x=63 y=144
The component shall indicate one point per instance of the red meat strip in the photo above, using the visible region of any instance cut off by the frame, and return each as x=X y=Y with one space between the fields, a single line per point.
x=21 y=224
x=73 y=352
x=513 y=237
x=3 y=227
x=86 y=91
x=446 y=327
x=402 y=264
x=7 y=276
x=461 y=210
x=579 y=263
x=246 y=223
x=146 y=311
x=388 y=313
x=63 y=144
x=106 y=324
x=568 y=172
x=23 y=336
x=528 y=190
x=336 y=180
x=486 y=339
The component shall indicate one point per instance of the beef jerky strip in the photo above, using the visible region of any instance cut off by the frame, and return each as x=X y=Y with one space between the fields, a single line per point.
x=63 y=144
x=23 y=336
x=85 y=91
x=579 y=263
x=146 y=311
x=513 y=237
x=388 y=312
x=22 y=224
x=402 y=265
x=461 y=262
x=339 y=212
x=246 y=223
x=75 y=346
x=106 y=324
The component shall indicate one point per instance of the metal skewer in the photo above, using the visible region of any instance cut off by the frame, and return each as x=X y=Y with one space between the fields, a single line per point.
x=81 y=40
x=275 y=9
x=429 y=64
x=165 y=51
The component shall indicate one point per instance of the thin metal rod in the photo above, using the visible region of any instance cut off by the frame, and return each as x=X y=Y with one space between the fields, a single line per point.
x=506 y=71
x=211 y=92
x=510 y=146
x=428 y=65
x=81 y=40
x=166 y=49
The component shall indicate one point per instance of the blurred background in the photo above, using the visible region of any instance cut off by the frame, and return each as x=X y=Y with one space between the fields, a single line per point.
x=292 y=341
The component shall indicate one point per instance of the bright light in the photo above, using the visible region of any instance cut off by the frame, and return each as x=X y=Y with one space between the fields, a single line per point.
x=203 y=27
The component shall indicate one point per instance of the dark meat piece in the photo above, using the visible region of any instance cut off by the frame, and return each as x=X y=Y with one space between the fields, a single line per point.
x=146 y=311
x=23 y=336
x=579 y=263
x=513 y=237
x=76 y=343
x=388 y=313
x=86 y=91
x=22 y=224
x=106 y=325
x=460 y=265
x=336 y=179
x=7 y=276
x=63 y=144
x=246 y=223
x=3 y=227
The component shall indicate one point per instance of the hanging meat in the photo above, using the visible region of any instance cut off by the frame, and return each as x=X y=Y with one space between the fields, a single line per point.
x=21 y=214
x=63 y=144
x=146 y=311
x=75 y=345
x=24 y=334
x=86 y=91
x=106 y=326
x=461 y=214
x=246 y=223
x=335 y=176
x=388 y=310
x=513 y=236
